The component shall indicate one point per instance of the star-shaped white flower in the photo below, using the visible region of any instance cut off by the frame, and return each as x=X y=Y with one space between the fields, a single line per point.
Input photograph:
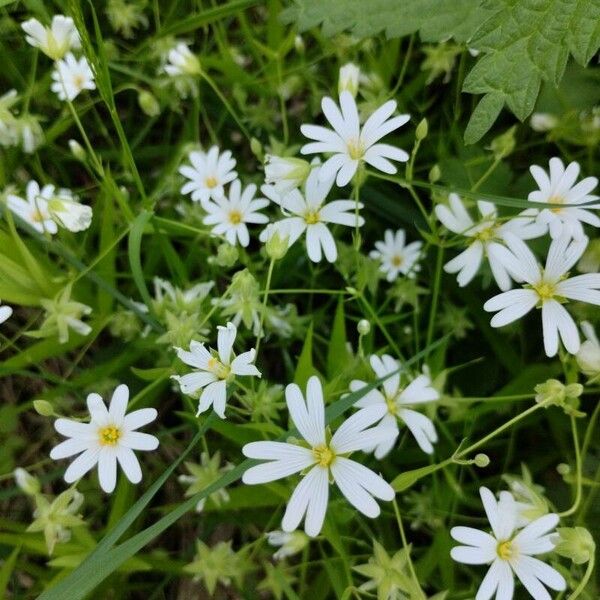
x=71 y=77
x=483 y=238
x=509 y=552
x=352 y=144
x=547 y=288
x=309 y=213
x=54 y=41
x=396 y=401
x=229 y=214
x=214 y=371
x=324 y=458
x=108 y=438
x=209 y=173
x=181 y=61
x=396 y=256
x=558 y=187
x=34 y=210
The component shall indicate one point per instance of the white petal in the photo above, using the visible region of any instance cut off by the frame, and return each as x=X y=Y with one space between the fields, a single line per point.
x=130 y=465
x=490 y=582
x=317 y=505
x=225 y=338
x=107 y=469
x=308 y=425
x=68 y=448
x=300 y=499
x=351 y=434
x=529 y=534
x=81 y=465
x=421 y=427
x=136 y=440
x=214 y=395
x=139 y=418
x=74 y=429
x=118 y=404
x=97 y=409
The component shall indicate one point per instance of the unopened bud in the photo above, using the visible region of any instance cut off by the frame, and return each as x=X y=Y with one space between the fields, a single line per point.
x=481 y=460
x=575 y=543
x=434 y=174
x=422 y=130
x=256 y=148
x=563 y=469
x=77 y=150
x=504 y=144
x=148 y=103
x=227 y=255
x=363 y=327
x=299 y=44
x=43 y=408
x=29 y=484
x=276 y=246
x=348 y=79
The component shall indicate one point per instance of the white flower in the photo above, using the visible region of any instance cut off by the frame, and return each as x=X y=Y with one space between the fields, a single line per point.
x=54 y=41
x=396 y=401
x=68 y=212
x=509 y=552
x=5 y=313
x=30 y=133
x=110 y=436
x=34 y=210
x=546 y=288
x=349 y=79
x=321 y=459
x=71 y=77
x=209 y=172
x=289 y=543
x=588 y=356
x=214 y=371
x=285 y=173
x=484 y=237
x=229 y=214
x=559 y=188
x=181 y=61
x=309 y=214
x=395 y=256
x=352 y=144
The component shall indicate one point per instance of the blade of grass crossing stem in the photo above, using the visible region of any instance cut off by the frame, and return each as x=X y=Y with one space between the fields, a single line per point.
x=104 y=560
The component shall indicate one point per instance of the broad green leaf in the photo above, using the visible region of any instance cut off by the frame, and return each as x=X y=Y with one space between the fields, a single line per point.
x=483 y=117
x=305 y=368
x=409 y=478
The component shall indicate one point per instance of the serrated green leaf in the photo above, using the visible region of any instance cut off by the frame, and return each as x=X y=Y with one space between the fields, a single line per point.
x=483 y=117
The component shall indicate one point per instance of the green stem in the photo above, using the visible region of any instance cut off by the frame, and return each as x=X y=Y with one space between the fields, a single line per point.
x=583 y=583
x=264 y=306
x=435 y=296
x=578 y=468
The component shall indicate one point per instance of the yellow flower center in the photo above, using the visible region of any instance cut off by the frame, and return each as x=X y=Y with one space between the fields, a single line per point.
x=397 y=261
x=545 y=290
x=37 y=216
x=211 y=182
x=355 y=149
x=486 y=235
x=556 y=200
x=505 y=550
x=78 y=81
x=311 y=217
x=218 y=368
x=323 y=455
x=235 y=217
x=109 y=436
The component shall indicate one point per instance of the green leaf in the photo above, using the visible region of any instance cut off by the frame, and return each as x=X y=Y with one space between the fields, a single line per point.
x=134 y=251
x=6 y=571
x=337 y=352
x=483 y=117
x=409 y=478
x=305 y=368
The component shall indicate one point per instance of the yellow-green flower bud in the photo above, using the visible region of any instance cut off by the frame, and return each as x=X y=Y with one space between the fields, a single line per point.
x=43 y=408
x=575 y=543
x=422 y=130
x=148 y=103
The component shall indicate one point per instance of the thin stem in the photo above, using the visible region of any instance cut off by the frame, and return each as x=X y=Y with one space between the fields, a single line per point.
x=578 y=468
x=583 y=583
x=264 y=306
x=435 y=296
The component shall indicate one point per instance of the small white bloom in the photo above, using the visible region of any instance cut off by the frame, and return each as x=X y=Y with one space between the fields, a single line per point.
x=110 y=436
x=34 y=210
x=181 y=61
x=68 y=212
x=322 y=459
x=546 y=288
x=213 y=372
x=483 y=238
x=229 y=214
x=558 y=187
x=289 y=543
x=5 y=313
x=352 y=144
x=310 y=214
x=543 y=121
x=209 y=173
x=71 y=77
x=349 y=79
x=285 y=173
x=395 y=256
x=588 y=356
x=509 y=552
x=30 y=132
x=396 y=401
x=54 y=41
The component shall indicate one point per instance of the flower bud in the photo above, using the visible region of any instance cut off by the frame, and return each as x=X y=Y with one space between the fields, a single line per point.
x=504 y=144
x=575 y=543
x=588 y=356
x=286 y=173
x=148 y=103
x=227 y=255
x=435 y=174
x=553 y=392
x=299 y=44
x=29 y=484
x=363 y=327
x=276 y=246
x=77 y=150
x=43 y=408
x=422 y=130
x=256 y=148
x=348 y=79
x=481 y=460
x=543 y=122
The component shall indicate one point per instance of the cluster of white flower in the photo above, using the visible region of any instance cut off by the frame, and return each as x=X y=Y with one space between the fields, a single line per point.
x=510 y=259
